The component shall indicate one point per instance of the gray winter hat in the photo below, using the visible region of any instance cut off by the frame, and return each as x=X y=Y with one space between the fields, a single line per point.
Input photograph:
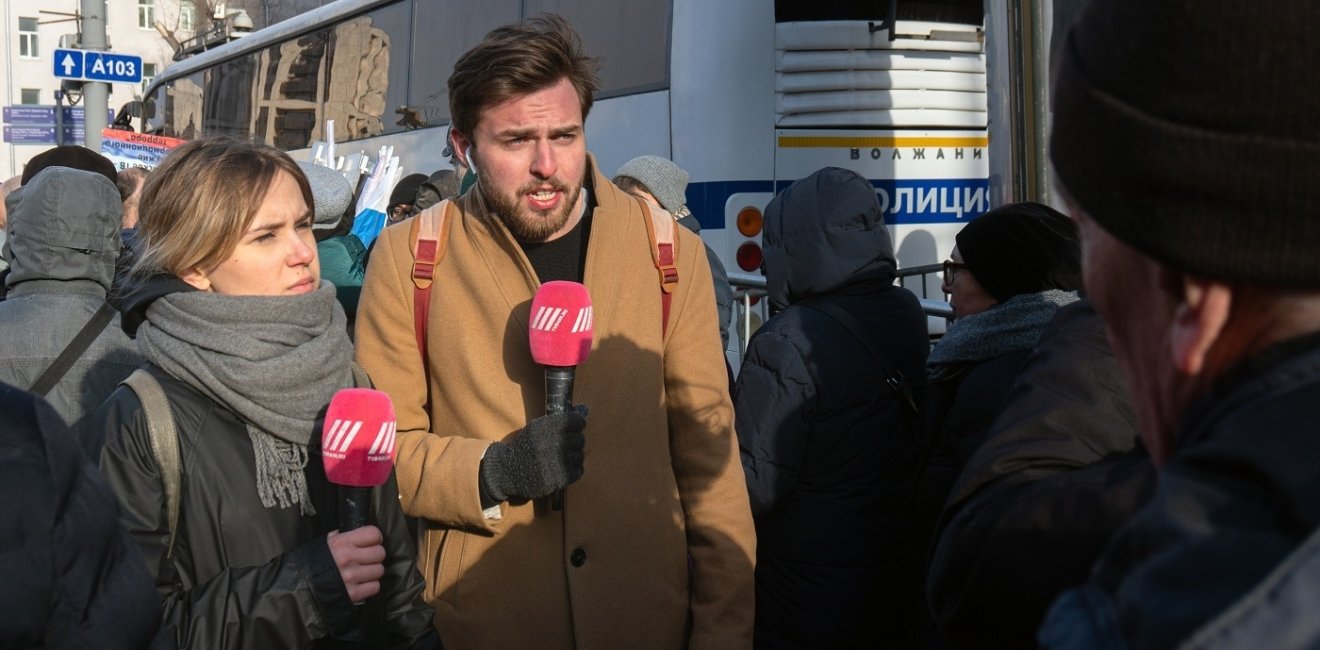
x=667 y=181
x=331 y=194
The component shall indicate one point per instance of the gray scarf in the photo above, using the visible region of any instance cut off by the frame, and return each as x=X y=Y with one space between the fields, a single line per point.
x=275 y=361
x=1010 y=326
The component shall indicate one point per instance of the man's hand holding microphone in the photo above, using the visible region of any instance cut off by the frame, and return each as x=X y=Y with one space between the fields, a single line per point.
x=542 y=457
x=545 y=456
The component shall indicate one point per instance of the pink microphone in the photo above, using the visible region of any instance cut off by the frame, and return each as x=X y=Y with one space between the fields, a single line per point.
x=559 y=330
x=357 y=447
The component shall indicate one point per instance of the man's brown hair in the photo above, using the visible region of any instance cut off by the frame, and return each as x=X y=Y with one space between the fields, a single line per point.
x=198 y=203
x=129 y=179
x=516 y=60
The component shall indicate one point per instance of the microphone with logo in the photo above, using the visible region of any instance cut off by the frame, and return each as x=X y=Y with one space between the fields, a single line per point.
x=559 y=330
x=357 y=446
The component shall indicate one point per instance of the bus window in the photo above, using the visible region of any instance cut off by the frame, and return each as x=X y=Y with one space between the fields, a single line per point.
x=227 y=96
x=631 y=38
x=367 y=76
x=180 y=108
x=441 y=35
x=353 y=73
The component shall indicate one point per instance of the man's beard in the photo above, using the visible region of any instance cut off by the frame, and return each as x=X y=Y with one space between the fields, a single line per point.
x=525 y=224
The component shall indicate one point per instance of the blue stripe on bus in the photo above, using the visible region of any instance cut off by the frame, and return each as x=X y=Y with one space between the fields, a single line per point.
x=906 y=202
x=707 y=200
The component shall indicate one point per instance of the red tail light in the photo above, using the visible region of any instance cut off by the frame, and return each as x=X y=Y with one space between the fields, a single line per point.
x=749 y=257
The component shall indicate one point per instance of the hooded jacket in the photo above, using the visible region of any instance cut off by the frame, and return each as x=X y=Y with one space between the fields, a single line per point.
x=62 y=245
x=828 y=448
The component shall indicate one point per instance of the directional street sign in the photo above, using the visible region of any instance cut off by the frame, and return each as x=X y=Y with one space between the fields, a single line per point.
x=93 y=65
x=69 y=64
x=41 y=134
x=44 y=115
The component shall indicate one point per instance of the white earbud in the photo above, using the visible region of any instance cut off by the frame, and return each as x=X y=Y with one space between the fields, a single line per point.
x=472 y=162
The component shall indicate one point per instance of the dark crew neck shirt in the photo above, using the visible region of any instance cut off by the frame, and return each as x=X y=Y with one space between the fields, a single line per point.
x=564 y=258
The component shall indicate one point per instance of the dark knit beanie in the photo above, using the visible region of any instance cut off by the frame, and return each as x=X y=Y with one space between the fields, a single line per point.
x=73 y=157
x=1189 y=130
x=405 y=191
x=439 y=186
x=1022 y=248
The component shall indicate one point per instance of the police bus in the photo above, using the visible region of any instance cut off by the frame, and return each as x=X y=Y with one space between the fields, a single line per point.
x=940 y=103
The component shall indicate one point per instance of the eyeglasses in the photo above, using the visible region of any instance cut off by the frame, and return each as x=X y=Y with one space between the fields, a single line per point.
x=951 y=270
x=400 y=212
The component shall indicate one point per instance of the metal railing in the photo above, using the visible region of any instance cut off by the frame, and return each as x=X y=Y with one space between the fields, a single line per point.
x=752 y=309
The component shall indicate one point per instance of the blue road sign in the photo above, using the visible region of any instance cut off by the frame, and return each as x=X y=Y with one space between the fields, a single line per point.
x=68 y=64
x=42 y=115
x=77 y=113
x=112 y=68
x=29 y=134
x=39 y=115
x=93 y=65
x=42 y=135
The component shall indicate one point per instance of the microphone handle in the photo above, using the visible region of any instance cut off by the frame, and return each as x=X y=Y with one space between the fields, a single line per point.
x=558 y=399
x=354 y=513
x=354 y=507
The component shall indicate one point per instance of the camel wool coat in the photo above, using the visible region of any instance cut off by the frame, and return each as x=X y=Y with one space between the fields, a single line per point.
x=655 y=546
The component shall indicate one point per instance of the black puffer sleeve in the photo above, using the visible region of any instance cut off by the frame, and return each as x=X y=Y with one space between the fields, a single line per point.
x=72 y=576
x=772 y=402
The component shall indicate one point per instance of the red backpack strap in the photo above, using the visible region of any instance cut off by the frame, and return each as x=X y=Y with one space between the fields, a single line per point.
x=664 y=251
x=429 y=235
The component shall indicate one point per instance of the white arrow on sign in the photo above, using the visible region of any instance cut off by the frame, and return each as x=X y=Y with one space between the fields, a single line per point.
x=67 y=63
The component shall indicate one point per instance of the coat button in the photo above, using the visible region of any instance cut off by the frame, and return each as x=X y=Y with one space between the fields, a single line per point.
x=578 y=557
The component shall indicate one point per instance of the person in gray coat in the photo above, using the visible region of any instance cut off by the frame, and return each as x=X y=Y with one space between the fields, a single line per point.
x=62 y=245
x=662 y=182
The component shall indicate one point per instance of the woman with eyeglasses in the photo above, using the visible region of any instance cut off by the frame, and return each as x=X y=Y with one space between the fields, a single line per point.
x=403 y=197
x=1011 y=270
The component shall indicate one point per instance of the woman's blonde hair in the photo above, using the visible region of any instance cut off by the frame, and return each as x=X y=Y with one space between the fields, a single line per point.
x=196 y=206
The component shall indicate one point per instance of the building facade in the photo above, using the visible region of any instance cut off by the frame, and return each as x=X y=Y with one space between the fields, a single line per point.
x=34 y=29
x=151 y=29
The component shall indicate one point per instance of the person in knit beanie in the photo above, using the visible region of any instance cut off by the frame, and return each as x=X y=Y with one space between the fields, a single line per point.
x=663 y=183
x=1022 y=248
x=1185 y=141
x=403 y=196
x=342 y=255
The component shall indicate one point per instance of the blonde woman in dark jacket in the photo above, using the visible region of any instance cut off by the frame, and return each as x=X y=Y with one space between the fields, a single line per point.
x=249 y=345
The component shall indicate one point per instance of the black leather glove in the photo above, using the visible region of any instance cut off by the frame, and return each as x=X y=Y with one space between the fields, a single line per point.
x=543 y=457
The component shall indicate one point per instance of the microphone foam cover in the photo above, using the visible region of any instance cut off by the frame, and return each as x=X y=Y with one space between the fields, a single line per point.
x=560 y=324
x=357 y=439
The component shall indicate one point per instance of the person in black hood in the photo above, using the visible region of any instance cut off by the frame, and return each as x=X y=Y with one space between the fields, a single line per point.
x=248 y=346
x=827 y=425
